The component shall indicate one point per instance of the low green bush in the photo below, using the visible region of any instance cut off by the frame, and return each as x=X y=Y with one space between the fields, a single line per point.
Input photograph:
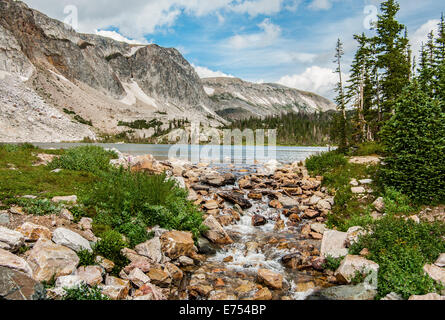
x=397 y=203
x=322 y=163
x=39 y=207
x=110 y=247
x=86 y=158
x=401 y=248
x=332 y=263
x=86 y=258
x=368 y=149
x=84 y=292
x=130 y=202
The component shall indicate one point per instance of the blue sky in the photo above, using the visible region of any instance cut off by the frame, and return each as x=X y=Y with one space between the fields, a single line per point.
x=285 y=41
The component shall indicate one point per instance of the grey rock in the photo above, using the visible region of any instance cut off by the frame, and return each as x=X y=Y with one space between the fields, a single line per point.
x=4 y=218
x=11 y=240
x=15 y=285
x=71 y=239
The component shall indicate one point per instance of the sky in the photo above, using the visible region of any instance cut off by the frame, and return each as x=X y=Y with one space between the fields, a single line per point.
x=290 y=42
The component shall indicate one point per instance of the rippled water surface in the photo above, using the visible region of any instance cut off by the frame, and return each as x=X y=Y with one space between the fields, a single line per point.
x=204 y=153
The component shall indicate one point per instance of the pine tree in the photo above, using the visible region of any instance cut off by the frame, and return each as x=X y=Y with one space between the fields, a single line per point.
x=341 y=98
x=439 y=62
x=392 y=50
x=426 y=69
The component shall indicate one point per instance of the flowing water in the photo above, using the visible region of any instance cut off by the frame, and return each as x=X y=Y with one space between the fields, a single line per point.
x=232 y=271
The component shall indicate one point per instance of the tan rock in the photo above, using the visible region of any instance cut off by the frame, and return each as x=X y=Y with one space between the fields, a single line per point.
x=270 y=278
x=150 y=249
x=138 y=278
x=440 y=262
x=175 y=273
x=69 y=199
x=263 y=295
x=353 y=264
x=33 y=232
x=108 y=265
x=86 y=223
x=216 y=232
x=66 y=214
x=177 y=243
x=435 y=272
x=275 y=204
x=429 y=297
x=333 y=244
x=11 y=261
x=11 y=240
x=91 y=275
x=48 y=260
x=159 y=277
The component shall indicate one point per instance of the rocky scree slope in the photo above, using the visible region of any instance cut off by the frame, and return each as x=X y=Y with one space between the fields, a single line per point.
x=96 y=78
x=238 y=99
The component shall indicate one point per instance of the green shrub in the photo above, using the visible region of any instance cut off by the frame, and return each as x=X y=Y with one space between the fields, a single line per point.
x=332 y=263
x=319 y=164
x=414 y=141
x=130 y=202
x=110 y=247
x=17 y=147
x=401 y=248
x=83 y=292
x=39 y=207
x=86 y=258
x=86 y=158
x=397 y=203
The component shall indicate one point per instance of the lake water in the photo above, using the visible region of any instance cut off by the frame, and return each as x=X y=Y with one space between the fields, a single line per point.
x=236 y=154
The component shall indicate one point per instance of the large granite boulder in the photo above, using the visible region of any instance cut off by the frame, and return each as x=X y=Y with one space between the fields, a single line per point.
x=16 y=285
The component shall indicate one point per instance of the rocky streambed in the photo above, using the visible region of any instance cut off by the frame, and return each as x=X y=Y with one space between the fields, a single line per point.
x=265 y=239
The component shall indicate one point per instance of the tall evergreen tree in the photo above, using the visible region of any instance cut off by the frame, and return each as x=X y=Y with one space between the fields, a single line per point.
x=341 y=97
x=439 y=62
x=392 y=49
x=426 y=69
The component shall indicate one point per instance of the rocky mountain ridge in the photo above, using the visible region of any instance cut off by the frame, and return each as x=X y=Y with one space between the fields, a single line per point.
x=95 y=84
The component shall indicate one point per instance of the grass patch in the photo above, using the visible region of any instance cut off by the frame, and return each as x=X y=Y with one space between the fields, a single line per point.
x=319 y=164
x=368 y=149
x=83 y=292
x=401 y=248
x=110 y=247
x=332 y=263
x=86 y=158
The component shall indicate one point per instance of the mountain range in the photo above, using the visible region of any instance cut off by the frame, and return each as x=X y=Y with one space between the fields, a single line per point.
x=60 y=85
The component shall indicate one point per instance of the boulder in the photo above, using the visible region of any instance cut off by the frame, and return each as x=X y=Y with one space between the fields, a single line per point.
x=392 y=297
x=353 y=234
x=48 y=260
x=16 y=285
x=11 y=261
x=275 y=204
x=314 y=200
x=359 y=292
x=159 y=277
x=435 y=272
x=211 y=205
x=186 y=261
x=91 y=275
x=358 y=190
x=69 y=199
x=69 y=282
x=150 y=291
x=11 y=240
x=258 y=220
x=4 y=218
x=271 y=279
x=263 y=295
x=114 y=292
x=324 y=205
x=429 y=297
x=236 y=198
x=71 y=239
x=86 y=223
x=440 y=262
x=66 y=214
x=216 y=232
x=175 y=273
x=151 y=249
x=108 y=265
x=379 y=205
x=33 y=232
x=177 y=243
x=288 y=202
x=318 y=228
x=205 y=247
x=138 y=278
x=351 y=265
x=333 y=244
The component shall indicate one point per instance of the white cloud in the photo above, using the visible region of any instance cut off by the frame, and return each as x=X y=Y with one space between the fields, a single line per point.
x=421 y=36
x=320 y=5
x=118 y=37
x=204 y=72
x=271 y=33
x=142 y=17
x=314 y=79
